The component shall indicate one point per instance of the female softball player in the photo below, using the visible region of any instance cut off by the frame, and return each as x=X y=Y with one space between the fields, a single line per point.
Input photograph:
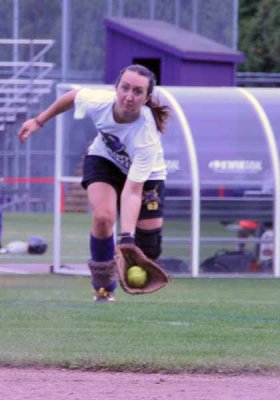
x=124 y=169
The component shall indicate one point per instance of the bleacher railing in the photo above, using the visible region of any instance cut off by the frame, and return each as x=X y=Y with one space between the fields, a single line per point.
x=22 y=82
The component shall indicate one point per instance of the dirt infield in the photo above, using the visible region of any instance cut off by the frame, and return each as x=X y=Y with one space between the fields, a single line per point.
x=60 y=384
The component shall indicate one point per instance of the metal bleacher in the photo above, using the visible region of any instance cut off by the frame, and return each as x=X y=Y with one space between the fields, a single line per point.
x=22 y=83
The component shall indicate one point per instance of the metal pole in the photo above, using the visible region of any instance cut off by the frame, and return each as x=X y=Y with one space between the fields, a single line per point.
x=15 y=31
x=65 y=40
x=152 y=9
x=110 y=8
x=235 y=25
x=15 y=68
x=57 y=188
x=28 y=148
x=194 y=16
x=120 y=8
x=177 y=12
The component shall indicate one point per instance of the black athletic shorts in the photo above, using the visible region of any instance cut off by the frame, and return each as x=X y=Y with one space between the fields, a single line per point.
x=99 y=169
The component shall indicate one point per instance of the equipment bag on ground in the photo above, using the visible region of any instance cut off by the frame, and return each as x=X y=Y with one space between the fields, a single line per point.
x=226 y=261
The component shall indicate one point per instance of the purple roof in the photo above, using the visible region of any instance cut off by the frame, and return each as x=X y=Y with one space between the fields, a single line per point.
x=172 y=39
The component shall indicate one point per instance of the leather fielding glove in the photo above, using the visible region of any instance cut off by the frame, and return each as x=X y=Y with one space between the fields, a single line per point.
x=128 y=254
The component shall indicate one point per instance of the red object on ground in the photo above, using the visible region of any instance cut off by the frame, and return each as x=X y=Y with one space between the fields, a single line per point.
x=248 y=224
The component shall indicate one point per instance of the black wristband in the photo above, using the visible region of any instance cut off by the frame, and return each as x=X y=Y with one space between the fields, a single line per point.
x=125 y=237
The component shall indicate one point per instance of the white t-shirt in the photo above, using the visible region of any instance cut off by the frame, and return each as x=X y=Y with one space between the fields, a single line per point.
x=135 y=148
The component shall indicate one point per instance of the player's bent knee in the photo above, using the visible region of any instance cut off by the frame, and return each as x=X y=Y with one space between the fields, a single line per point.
x=149 y=241
x=103 y=224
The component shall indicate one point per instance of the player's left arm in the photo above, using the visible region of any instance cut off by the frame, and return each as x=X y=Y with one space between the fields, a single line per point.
x=131 y=197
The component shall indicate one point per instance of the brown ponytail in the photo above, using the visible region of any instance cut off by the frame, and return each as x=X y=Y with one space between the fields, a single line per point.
x=160 y=113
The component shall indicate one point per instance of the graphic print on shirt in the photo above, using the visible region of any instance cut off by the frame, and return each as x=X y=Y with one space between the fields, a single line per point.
x=116 y=149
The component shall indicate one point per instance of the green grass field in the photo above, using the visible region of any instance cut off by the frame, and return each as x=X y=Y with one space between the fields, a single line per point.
x=229 y=325
x=205 y=325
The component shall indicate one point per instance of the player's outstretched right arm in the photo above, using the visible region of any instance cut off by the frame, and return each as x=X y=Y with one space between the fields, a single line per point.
x=63 y=103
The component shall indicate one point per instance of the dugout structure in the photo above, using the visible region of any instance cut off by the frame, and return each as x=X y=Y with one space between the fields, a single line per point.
x=222 y=151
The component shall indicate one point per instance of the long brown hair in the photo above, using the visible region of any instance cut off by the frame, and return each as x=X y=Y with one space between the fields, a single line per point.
x=160 y=112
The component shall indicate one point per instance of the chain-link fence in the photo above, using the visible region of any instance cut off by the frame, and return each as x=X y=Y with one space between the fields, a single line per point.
x=77 y=27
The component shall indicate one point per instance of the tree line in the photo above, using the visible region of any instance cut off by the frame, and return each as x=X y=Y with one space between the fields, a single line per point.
x=259 y=32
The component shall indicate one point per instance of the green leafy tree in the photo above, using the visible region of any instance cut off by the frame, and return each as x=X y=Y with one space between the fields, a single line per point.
x=259 y=32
